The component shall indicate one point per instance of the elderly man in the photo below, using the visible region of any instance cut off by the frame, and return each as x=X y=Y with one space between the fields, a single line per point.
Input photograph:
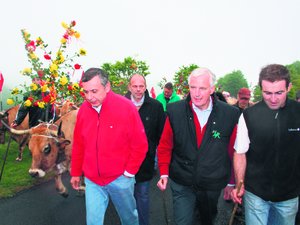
x=267 y=155
x=153 y=117
x=108 y=148
x=194 y=150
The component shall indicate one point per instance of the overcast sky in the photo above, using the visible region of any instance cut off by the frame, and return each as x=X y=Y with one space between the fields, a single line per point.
x=220 y=35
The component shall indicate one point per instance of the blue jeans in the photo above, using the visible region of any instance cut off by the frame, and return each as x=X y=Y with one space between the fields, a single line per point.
x=261 y=212
x=120 y=191
x=141 y=194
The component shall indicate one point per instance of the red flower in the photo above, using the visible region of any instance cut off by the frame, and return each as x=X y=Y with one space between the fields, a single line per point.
x=35 y=103
x=70 y=88
x=73 y=23
x=40 y=73
x=47 y=98
x=46 y=56
x=66 y=36
x=30 y=98
x=77 y=66
x=31 y=46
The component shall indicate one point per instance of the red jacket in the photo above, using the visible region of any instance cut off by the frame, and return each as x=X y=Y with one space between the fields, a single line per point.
x=109 y=143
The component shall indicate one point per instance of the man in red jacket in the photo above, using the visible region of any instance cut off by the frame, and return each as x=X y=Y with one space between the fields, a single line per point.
x=108 y=148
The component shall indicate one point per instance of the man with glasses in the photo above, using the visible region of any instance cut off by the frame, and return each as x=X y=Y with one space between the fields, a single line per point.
x=267 y=155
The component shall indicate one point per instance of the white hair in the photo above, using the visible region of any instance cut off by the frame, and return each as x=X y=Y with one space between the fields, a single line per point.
x=203 y=71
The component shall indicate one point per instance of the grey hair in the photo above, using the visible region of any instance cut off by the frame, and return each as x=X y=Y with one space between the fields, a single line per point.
x=203 y=71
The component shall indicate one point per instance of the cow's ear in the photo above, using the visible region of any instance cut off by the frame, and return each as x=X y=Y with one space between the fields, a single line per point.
x=63 y=144
x=59 y=132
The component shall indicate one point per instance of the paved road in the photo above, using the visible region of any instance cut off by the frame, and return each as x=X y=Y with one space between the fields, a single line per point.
x=41 y=205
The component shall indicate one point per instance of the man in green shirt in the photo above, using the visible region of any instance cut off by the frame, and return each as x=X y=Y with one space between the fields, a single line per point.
x=168 y=95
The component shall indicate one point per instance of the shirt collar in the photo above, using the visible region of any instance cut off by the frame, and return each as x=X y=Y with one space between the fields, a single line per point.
x=140 y=103
x=209 y=108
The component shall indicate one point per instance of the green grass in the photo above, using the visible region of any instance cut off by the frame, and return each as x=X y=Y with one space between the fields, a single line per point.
x=15 y=176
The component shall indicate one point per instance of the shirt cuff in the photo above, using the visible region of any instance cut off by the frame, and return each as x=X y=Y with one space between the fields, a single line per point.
x=128 y=174
x=163 y=176
x=230 y=185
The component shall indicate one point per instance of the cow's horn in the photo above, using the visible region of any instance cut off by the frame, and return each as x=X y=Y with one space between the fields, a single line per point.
x=20 y=132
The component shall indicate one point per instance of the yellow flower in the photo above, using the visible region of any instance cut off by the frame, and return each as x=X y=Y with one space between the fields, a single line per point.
x=64 y=25
x=53 y=67
x=44 y=88
x=63 y=80
x=10 y=101
x=27 y=103
x=54 y=75
x=77 y=34
x=15 y=91
x=33 y=56
x=41 y=105
x=82 y=51
x=63 y=41
x=33 y=86
x=26 y=71
x=75 y=86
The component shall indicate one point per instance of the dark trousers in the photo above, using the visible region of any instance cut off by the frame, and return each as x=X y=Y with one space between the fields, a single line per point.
x=190 y=205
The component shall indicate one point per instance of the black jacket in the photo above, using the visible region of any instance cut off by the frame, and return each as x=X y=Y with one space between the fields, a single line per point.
x=153 y=118
x=207 y=167
x=273 y=158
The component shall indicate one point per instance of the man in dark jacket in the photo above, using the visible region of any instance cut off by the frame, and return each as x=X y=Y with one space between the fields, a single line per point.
x=194 y=150
x=153 y=117
x=267 y=152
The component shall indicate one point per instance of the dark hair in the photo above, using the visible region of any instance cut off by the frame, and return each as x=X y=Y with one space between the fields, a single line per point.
x=92 y=72
x=220 y=96
x=274 y=72
x=169 y=86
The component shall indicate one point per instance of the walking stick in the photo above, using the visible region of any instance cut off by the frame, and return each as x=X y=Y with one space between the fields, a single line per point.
x=5 y=157
x=236 y=204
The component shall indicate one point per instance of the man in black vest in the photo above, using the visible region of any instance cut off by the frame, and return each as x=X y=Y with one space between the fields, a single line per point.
x=153 y=117
x=267 y=155
x=194 y=150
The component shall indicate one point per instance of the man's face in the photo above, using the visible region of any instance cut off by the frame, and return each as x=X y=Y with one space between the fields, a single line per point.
x=200 y=91
x=275 y=93
x=137 y=87
x=243 y=101
x=94 y=91
x=168 y=92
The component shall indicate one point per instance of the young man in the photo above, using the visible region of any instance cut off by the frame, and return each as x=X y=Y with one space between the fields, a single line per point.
x=267 y=155
x=108 y=148
x=153 y=117
x=194 y=150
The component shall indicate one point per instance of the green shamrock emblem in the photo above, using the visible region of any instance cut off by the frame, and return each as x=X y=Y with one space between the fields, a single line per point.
x=216 y=134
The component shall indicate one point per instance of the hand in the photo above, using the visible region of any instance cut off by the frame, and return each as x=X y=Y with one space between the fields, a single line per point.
x=75 y=182
x=162 y=183
x=13 y=124
x=237 y=196
x=227 y=192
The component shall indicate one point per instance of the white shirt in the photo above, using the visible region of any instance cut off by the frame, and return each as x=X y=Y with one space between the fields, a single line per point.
x=203 y=115
x=242 y=141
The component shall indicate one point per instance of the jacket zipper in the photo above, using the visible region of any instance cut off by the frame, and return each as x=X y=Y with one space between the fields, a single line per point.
x=277 y=136
x=97 y=149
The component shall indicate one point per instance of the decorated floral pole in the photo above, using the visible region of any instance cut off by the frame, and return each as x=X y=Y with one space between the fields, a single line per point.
x=53 y=70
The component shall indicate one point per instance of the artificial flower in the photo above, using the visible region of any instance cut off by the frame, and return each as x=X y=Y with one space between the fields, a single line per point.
x=77 y=35
x=10 y=101
x=82 y=51
x=44 y=88
x=53 y=67
x=77 y=66
x=27 y=71
x=47 y=57
x=15 y=91
x=63 y=80
x=33 y=86
x=41 y=105
x=64 y=25
x=32 y=55
x=63 y=40
x=27 y=103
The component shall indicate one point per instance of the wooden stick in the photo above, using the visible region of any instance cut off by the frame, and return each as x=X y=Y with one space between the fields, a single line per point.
x=236 y=204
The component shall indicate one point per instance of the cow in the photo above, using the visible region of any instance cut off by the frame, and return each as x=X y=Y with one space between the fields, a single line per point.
x=8 y=117
x=51 y=147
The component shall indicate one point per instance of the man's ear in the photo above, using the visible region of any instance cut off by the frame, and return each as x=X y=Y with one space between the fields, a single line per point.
x=289 y=87
x=107 y=87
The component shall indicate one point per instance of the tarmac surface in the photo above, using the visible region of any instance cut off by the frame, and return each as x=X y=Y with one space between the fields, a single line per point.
x=41 y=205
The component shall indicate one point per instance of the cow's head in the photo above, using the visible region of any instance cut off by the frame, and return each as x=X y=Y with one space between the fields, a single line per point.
x=47 y=145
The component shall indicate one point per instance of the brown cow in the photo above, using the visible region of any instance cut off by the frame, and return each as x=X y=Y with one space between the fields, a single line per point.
x=8 y=117
x=51 y=146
